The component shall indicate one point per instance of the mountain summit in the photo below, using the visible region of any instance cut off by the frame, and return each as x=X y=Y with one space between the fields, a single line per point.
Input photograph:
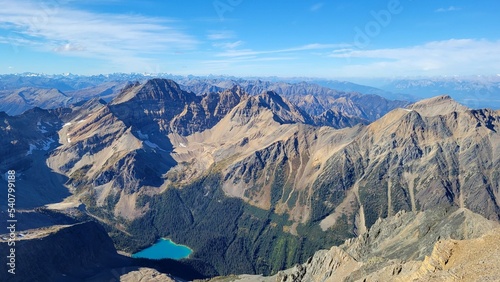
x=440 y=105
x=158 y=90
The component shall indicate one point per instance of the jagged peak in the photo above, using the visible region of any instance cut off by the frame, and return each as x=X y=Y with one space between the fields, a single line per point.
x=440 y=105
x=234 y=90
x=90 y=102
x=158 y=82
x=284 y=111
x=333 y=112
x=154 y=89
x=280 y=109
x=271 y=98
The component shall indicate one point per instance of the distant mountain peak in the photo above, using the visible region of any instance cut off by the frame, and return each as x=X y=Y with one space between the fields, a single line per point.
x=436 y=99
x=272 y=99
x=283 y=111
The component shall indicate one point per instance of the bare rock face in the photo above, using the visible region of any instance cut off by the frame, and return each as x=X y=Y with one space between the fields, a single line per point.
x=338 y=120
x=465 y=260
x=162 y=103
x=207 y=112
x=410 y=235
x=150 y=104
x=146 y=275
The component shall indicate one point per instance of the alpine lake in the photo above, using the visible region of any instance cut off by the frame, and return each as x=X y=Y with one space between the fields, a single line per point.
x=164 y=249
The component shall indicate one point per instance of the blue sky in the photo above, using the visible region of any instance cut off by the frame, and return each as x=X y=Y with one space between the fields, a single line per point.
x=329 y=39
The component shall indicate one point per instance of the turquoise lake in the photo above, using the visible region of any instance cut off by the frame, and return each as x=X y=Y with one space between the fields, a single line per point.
x=164 y=248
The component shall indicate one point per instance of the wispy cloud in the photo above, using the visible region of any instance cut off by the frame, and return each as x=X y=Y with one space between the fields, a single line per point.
x=228 y=45
x=60 y=28
x=448 y=9
x=249 y=52
x=437 y=57
x=220 y=34
x=316 y=7
x=70 y=48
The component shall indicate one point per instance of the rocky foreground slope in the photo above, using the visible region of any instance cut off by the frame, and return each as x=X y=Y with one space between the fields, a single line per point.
x=436 y=245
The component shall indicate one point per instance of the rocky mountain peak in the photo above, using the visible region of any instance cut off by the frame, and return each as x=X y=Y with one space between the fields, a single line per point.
x=272 y=100
x=283 y=111
x=159 y=90
x=235 y=93
x=440 y=105
x=336 y=119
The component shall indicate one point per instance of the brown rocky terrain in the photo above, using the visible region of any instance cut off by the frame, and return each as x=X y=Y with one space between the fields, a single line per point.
x=436 y=245
x=257 y=176
x=20 y=100
x=411 y=159
x=106 y=147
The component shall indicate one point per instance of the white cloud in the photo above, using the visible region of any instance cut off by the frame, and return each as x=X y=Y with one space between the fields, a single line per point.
x=229 y=45
x=220 y=35
x=69 y=48
x=448 y=9
x=454 y=56
x=249 y=52
x=59 y=28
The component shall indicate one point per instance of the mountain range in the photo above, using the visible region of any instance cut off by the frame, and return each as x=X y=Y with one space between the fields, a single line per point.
x=258 y=176
x=475 y=92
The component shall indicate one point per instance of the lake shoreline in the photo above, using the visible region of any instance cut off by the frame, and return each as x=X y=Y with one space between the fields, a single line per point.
x=164 y=248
